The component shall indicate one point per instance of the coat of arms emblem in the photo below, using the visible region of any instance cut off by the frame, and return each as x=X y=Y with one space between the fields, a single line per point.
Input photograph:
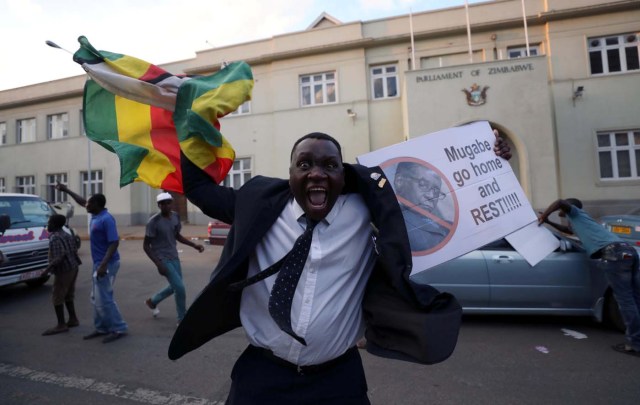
x=476 y=95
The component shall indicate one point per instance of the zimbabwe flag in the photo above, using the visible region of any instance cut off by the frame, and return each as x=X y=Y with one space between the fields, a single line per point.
x=146 y=115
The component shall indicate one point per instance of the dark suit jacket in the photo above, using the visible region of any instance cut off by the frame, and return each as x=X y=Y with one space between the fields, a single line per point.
x=255 y=207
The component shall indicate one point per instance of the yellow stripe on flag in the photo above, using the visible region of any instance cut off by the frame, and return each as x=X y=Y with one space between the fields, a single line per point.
x=203 y=154
x=134 y=128
x=132 y=67
x=222 y=100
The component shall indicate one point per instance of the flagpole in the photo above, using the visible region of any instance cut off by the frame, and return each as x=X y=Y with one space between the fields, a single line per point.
x=466 y=10
x=526 y=31
x=413 y=48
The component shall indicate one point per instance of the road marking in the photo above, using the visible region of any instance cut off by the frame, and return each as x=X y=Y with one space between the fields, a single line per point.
x=142 y=395
x=573 y=334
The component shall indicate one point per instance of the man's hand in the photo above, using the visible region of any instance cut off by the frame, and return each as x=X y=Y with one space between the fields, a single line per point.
x=500 y=147
x=198 y=247
x=61 y=187
x=101 y=270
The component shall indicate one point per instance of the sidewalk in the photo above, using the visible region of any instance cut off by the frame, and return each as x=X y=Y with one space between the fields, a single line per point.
x=136 y=232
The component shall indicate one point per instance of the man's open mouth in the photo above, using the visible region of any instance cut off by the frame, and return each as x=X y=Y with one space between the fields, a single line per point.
x=317 y=196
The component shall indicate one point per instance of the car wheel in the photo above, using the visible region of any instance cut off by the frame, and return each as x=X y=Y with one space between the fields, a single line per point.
x=613 y=317
x=37 y=282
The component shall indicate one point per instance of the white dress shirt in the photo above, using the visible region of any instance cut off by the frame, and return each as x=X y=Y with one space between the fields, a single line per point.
x=327 y=305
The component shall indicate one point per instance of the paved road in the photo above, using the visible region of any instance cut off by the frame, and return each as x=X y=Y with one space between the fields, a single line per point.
x=505 y=360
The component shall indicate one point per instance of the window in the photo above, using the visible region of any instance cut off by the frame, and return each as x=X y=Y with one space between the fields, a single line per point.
x=384 y=81
x=52 y=194
x=451 y=59
x=3 y=133
x=26 y=130
x=57 y=126
x=26 y=184
x=96 y=183
x=245 y=108
x=619 y=154
x=3 y=185
x=614 y=54
x=239 y=174
x=318 y=88
x=521 y=51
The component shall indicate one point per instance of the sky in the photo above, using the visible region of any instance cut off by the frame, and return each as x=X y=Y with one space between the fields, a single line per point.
x=161 y=31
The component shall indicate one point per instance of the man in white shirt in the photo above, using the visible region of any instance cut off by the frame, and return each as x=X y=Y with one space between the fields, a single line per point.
x=268 y=216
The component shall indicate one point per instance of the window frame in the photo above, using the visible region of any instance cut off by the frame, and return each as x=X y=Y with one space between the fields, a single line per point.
x=243 y=109
x=522 y=51
x=614 y=151
x=52 y=194
x=20 y=139
x=3 y=133
x=97 y=183
x=26 y=184
x=3 y=185
x=383 y=77
x=604 y=52
x=57 y=123
x=239 y=173
x=324 y=84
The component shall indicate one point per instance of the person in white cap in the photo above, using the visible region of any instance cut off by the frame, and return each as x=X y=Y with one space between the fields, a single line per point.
x=161 y=234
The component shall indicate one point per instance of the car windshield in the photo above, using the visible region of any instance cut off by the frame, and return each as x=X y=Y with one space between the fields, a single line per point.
x=25 y=211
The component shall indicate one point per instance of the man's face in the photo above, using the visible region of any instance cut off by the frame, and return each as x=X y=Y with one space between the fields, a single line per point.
x=93 y=207
x=165 y=207
x=316 y=176
x=420 y=186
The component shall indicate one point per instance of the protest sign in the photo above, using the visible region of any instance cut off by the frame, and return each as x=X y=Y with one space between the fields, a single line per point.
x=455 y=193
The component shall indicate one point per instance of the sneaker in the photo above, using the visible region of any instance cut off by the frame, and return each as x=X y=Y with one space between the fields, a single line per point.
x=113 y=336
x=154 y=309
x=626 y=349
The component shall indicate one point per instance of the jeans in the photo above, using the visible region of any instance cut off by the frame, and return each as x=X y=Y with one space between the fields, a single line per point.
x=106 y=316
x=620 y=265
x=176 y=286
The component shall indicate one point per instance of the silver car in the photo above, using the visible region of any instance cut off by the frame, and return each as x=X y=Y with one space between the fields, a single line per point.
x=496 y=279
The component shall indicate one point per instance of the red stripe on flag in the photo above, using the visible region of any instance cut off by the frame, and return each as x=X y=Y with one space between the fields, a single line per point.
x=217 y=168
x=152 y=73
x=165 y=141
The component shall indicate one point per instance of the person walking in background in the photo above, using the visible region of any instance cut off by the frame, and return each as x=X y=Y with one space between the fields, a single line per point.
x=63 y=264
x=616 y=258
x=108 y=321
x=161 y=234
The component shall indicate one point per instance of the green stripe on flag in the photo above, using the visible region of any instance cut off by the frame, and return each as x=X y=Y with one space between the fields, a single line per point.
x=130 y=157
x=99 y=109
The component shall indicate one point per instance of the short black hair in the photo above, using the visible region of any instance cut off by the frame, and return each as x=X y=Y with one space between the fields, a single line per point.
x=574 y=202
x=99 y=199
x=57 y=221
x=317 y=135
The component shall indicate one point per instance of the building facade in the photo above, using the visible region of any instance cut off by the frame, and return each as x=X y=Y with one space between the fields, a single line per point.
x=564 y=91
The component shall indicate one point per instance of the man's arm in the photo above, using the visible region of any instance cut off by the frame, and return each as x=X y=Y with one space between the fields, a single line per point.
x=187 y=242
x=146 y=245
x=56 y=254
x=555 y=206
x=213 y=200
x=78 y=198
x=102 y=267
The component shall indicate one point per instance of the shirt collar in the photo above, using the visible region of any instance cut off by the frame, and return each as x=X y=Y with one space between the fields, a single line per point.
x=298 y=212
